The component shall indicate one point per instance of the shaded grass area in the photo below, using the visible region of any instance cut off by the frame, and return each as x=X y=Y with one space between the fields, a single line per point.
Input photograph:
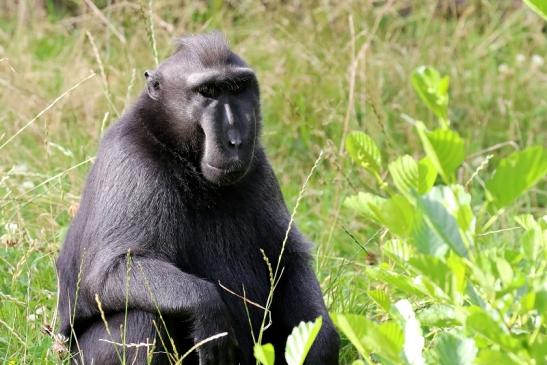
x=325 y=68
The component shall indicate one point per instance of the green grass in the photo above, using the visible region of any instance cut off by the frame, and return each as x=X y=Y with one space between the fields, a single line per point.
x=304 y=54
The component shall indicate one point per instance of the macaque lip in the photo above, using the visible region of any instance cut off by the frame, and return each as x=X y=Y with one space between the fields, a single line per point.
x=218 y=169
x=223 y=176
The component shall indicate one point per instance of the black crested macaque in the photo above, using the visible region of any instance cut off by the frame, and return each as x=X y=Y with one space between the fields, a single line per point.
x=180 y=200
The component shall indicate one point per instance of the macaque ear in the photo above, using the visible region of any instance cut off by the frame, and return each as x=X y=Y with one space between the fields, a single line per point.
x=152 y=84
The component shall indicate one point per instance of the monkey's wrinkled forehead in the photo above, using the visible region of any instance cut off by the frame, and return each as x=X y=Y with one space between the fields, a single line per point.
x=205 y=51
x=204 y=57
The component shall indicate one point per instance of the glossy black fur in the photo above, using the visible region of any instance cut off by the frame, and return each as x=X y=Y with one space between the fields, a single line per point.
x=146 y=199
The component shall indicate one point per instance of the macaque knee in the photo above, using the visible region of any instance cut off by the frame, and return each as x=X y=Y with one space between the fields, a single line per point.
x=130 y=337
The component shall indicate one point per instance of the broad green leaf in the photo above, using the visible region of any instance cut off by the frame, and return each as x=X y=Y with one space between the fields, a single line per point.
x=541 y=301
x=484 y=275
x=427 y=174
x=398 y=249
x=458 y=278
x=433 y=90
x=440 y=315
x=435 y=270
x=265 y=354
x=358 y=362
x=453 y=349
x=410 y=177
x=300 y=341
x=504 y=270
x=426 y=239
x=381 y=298
x=404 y=172
x=489 y=357
x=385 y=339
x=473 y=295
x=445 y=148
x=479 y=322
x=364 y=151
x=414 y=340
x=396 y=213
x=517 y=173
x=539 y=6
x=538 y=349
x=354 y=327
x=458 y=203
x=532 y=240
x=527 y=302
x=367 y=205
x=398 y=281
x=448 y=277
x=435 y=226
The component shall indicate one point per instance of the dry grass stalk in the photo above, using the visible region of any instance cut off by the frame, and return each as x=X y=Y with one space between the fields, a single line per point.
x=43 y=111
x=103 y=19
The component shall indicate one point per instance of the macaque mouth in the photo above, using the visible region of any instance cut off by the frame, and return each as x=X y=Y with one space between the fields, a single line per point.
x=232 y=168
x=228 y=175
x=221 y=170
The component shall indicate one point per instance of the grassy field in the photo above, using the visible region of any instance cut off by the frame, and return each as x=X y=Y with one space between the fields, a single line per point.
x=325 y=67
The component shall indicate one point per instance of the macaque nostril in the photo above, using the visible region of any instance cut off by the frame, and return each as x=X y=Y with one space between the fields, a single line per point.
x=234 y=139
x=235 y=142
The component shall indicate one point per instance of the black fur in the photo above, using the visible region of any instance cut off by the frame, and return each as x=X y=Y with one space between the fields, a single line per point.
x=152 y=222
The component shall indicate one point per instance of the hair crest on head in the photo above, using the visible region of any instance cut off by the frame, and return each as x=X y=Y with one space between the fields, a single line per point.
x=209 y=48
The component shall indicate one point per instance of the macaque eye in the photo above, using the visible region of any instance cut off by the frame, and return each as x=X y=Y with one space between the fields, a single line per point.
x=209 y=90
x=236 y=87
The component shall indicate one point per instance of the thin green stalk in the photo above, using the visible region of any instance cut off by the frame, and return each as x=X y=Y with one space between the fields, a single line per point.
x=278 y=268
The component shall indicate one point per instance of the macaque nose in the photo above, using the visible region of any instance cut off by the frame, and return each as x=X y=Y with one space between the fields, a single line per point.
x=235 y=142
x=234 y=138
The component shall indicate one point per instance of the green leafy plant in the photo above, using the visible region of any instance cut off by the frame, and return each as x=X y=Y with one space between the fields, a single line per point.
x=460 y=296
x=445 y=148
x=454 y=349
x=522 y=169
x=300 y=341
x=433 y=90
x=265 y=354
x=410 y=176
x=539 y=6
x=298 y=344
x=364 y=151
